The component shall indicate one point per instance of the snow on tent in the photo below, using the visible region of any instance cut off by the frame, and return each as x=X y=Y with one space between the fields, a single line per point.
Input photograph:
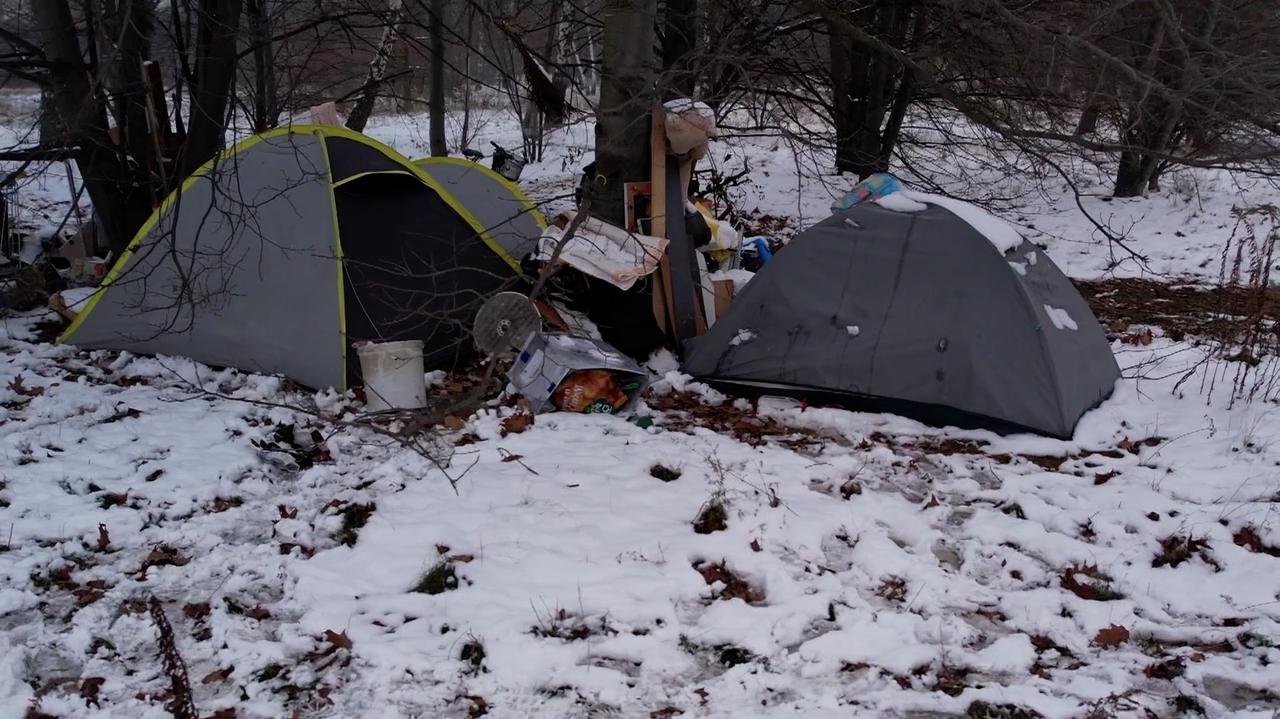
x=280 y=253
x=506 y=213
x=922 y=306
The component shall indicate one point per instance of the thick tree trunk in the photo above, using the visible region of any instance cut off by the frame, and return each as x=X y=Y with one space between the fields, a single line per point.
x=865 y=91
x=266 y=108
x=1129 y=182
x=129 y=29
x=626 y=99
x=439 y=148
x=112 y=188
x=215 y=72
x=679 y=45
x=363 y=108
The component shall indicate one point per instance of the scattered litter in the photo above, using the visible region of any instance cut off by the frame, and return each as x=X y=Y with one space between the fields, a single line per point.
x=853 y=330
x=742 y=336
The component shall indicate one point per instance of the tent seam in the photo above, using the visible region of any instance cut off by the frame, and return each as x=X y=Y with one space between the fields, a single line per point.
x=338 y=259
x=512 y=187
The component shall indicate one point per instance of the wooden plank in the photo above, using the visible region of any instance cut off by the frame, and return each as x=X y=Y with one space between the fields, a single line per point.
x=689 y=318
x=663 y=305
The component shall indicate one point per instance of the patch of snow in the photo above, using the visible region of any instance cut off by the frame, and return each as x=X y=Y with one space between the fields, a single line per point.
x=900 y=202
x=75 y=297
x=739 y=276
x=1000 y=233
x=662 y=361
x=1031 y=258
x=1060 y=318
x=853 y=330
x=1019 y=267
x=743 y=335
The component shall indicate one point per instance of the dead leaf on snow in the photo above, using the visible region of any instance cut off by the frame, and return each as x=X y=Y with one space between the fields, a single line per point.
x=18 y=387
x=89 y=688
x=516 y=423
x=337 y=639
x=1112 y=636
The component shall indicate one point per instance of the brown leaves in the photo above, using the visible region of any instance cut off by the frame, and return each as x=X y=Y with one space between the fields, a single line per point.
x=734 y=586
x=217 y=676
x=454 y=423
x=17 y=386
x=89 y=689
x=339 y=640
x=104 y=539
x=712 y=518
x=1248 y=538
x=119 y=414
x=1104 y=477
x=257 y=612
x=1170 y=668
x=892 y=588
x=517 y=423
x=1088 y=582
x=162 y=556
x=196 y=611
x=1141 y=338
x=91 y=592
x=1112 y=636
x=1175 y=550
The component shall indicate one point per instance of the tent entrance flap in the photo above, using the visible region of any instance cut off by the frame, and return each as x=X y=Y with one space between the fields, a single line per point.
x=414 y=268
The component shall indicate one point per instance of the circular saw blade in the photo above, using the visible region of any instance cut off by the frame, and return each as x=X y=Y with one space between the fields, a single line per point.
x=505 y=322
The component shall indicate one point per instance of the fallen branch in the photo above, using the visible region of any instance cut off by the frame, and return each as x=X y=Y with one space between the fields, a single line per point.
x=180 y=704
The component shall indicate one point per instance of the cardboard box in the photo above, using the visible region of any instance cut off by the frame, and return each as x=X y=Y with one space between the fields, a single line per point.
x=546 y=359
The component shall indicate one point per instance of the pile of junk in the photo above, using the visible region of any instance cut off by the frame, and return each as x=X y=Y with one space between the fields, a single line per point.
x=39 y=259
x=900 y=301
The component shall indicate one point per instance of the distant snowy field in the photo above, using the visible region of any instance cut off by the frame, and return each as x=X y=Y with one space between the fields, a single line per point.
x=863 y=565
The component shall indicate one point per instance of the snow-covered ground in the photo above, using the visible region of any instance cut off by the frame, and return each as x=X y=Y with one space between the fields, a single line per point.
x=732 y=560
x=863 y=565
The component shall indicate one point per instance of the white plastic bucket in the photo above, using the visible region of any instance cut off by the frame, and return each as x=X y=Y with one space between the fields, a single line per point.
x=393 y=375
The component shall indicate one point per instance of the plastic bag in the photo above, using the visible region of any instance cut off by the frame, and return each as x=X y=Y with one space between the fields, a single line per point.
x=592 y=391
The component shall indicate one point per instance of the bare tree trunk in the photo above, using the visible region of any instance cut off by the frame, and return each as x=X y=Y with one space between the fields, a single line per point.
x=626 y=98
x=377 y=68
x=127 y=39
x=215 y=73
x=865 y=92
x=679 y=45
x=1145 y=111
x=439 y=147
x=112 y=188
x=266 y=110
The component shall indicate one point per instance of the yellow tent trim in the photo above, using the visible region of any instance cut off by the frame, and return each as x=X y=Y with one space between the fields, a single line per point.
x=428 y=180
x=342 y=271
x=245 y=144
x=371 y=173
x=524 y=199
x=149 y=225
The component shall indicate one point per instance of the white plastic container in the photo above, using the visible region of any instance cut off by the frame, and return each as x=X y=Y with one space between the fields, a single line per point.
x=393 y=375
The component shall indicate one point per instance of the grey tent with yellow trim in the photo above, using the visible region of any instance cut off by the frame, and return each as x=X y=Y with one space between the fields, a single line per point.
x=286 y=249
x=507 y=214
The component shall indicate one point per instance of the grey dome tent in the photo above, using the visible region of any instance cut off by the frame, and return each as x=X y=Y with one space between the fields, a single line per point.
x=284 y=250
x=919 y=314
x=506 y=213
